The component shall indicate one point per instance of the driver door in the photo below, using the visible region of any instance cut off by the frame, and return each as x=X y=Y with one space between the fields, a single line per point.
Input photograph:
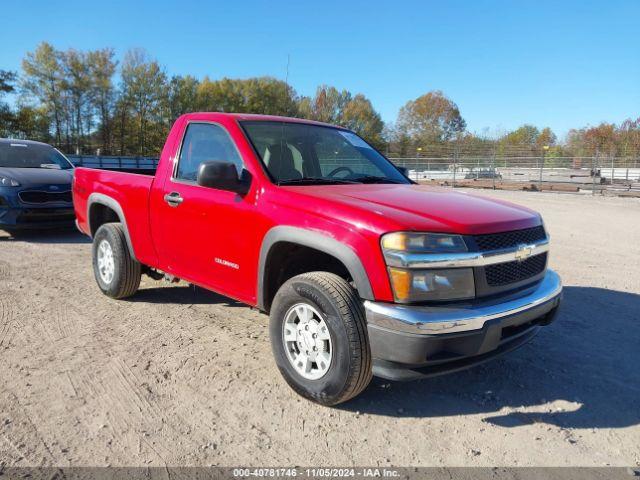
x=205 y=230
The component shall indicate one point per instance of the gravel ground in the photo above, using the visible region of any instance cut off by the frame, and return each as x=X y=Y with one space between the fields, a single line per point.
x=180 y=376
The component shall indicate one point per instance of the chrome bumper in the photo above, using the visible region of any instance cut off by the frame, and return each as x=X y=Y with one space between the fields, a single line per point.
x=455 y=318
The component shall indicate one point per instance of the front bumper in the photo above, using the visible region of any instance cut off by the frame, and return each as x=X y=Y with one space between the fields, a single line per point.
x=15 y=215
x=409 y=342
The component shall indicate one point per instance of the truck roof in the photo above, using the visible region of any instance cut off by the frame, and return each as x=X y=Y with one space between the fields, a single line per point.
x=258 y=118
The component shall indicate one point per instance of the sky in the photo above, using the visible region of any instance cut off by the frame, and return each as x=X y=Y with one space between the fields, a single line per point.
x=562 y=64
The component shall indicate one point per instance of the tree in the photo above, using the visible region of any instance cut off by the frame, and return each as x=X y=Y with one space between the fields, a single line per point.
x=31 y=123
x=102 y=68
x=7 y=80
x=331 y=105
x=183 y=95
x=328 y=104
x=546 y=138
x=77 y=82
x=144 y=92
x=358 y=115
x=602 y=138
x=629 y=138
x=523 y=141
x=526 y=135
x=265 y=95
x=43 y=77
x=431 y=118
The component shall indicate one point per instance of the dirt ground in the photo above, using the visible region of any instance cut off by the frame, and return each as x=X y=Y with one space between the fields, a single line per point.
x=180 y=376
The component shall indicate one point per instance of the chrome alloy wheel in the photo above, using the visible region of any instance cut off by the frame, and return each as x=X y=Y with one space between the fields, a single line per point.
x=307 y=341
x=106 y=263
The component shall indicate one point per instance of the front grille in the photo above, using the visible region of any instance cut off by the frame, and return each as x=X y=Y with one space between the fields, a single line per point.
x=513 y=272
x=499 y=241
x=39 y=196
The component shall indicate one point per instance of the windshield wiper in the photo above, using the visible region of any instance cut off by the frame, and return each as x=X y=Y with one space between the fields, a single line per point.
x=375 y=179
x=315 y=181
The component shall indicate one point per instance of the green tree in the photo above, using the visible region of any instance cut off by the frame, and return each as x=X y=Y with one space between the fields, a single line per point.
x=77 y=83
x=340 y=107
x=521 y=142
x=7 y=82
x=264 y=95
x=31 y=123
x=358 y=115
x=102 y=68
x=43 y=80
x=183 y=95
x=431 y=118
x=524 y=135
x=144 y=91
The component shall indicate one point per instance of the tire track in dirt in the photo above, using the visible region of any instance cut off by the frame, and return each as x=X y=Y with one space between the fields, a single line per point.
x=5 y=270
x=26 y=442
x=6 y=320
x=129 y=391
x=65 y=320
x=122 y=398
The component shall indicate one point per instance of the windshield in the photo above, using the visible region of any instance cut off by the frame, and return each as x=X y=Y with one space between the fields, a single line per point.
x=31 y=155
x=300 y=153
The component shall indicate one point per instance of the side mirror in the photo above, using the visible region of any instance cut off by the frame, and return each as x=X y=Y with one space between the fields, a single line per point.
x=223 y=176
x=403 y=170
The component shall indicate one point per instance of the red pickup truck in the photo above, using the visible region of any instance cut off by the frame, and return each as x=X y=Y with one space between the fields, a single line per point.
x=361 y=271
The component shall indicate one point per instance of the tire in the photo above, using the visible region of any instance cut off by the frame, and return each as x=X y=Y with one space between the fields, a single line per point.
x=124 y=279
x=340 y=308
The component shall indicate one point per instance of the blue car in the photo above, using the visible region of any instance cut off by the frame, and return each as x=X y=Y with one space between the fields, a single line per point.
x=35 y=186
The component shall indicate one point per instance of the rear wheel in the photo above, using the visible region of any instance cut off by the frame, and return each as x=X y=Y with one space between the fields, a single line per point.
x=319 y=338
x=117 y=274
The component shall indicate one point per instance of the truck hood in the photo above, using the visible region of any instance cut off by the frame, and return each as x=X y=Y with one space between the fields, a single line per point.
x=38 y=176
x=425 y=208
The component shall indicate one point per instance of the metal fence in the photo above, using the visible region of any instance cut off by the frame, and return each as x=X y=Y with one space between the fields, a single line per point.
x=571 y=173
x=113 y=162
x=596 y=174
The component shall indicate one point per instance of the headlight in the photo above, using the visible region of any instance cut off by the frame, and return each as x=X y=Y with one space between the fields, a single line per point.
x=423 y=285
x=416 y=285
x=8 y=182
x=423 y=242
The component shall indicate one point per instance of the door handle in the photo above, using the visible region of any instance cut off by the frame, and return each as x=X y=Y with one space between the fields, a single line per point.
x=173 y=199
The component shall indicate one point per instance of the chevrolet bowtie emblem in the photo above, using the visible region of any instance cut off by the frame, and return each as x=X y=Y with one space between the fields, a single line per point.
x=523 y=252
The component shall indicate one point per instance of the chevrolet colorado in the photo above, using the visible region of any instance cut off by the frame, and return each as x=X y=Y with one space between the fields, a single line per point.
x=361 y=271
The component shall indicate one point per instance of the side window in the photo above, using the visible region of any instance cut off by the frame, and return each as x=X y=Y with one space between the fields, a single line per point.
x=205 y=142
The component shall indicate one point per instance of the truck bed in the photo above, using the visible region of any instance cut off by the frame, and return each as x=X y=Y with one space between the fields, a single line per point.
x=131 y=192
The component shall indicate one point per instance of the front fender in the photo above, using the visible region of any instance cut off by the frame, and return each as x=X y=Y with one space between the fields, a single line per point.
x=318 y=241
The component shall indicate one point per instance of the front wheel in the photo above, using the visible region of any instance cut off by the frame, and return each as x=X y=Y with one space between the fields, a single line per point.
x=319 y=338
x=117 y=274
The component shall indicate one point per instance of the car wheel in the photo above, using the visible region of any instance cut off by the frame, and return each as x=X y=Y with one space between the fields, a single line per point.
x=117 y=274
x=319 y=338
